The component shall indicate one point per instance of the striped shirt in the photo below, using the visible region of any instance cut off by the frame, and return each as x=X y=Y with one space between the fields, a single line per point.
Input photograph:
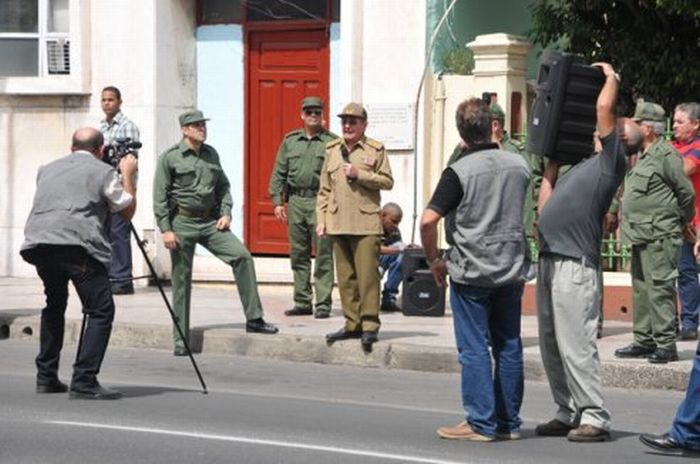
x=119 y=127
x=691 y=151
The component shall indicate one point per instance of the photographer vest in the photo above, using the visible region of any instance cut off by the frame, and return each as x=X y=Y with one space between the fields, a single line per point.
x=489 y=247
x=69 y=206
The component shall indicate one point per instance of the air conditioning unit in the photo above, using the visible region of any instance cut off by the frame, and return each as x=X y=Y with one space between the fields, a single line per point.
x=58 y=56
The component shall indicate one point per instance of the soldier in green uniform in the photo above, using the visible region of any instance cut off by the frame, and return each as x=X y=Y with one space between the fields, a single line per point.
x=192 y=204
x=348 y=208
x=296 y=177
x=657 y=205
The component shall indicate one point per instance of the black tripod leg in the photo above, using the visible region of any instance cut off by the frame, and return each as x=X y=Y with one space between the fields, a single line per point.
x=80 y=339
x=176 y=321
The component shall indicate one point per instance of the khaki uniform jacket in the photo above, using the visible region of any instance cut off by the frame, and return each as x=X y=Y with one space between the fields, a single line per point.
x=353 y=207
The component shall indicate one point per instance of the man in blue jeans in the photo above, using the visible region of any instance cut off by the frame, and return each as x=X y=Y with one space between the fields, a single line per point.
x=481 y=197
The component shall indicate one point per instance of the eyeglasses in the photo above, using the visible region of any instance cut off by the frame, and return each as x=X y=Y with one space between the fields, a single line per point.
x=350 y=121
x=313 y=112
x=198 y=124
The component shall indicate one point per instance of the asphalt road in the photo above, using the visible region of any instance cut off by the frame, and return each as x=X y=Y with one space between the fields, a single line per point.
x=260 y=411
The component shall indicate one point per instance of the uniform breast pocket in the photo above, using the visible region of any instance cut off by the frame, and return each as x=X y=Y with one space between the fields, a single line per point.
x=335 y=173
x=641 y=180
x=293 y=164
x=185 y=176
x=211 y=174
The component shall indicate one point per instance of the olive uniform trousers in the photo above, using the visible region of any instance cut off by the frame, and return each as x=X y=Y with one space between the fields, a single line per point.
x=301 y=227
x=654 y=272
x=224 y=245
x=357 y=258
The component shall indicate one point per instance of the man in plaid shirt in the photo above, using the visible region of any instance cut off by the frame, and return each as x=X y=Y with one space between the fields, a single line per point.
x=117 y=126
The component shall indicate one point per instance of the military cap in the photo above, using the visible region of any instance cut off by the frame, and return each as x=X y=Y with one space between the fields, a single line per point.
x=647 y=111
x=355 y=110
x=311 y=102
x=497 y=112
x=190 y=117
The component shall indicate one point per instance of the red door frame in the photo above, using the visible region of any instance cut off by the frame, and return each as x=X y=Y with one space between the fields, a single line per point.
x=248 y=28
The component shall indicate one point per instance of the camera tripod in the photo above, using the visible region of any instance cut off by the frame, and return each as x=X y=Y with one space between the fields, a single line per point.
x=175 y=319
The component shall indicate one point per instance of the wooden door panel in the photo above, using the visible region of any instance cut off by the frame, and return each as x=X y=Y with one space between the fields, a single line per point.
x=283 y=68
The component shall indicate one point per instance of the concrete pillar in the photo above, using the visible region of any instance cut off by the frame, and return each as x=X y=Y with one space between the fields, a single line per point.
x=351 y=50
x=500 y=66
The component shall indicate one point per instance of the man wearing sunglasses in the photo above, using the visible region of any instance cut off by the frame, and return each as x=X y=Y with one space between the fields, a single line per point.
x=192 y=205
x=348 y=208
x=295 y=181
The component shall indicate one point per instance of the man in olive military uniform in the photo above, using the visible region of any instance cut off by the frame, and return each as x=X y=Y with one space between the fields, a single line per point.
x=296 y=176
x=657 y=205
x=192 y=204
x=348 y=209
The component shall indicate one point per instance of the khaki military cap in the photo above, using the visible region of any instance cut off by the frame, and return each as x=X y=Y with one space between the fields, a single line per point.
x=355 y=110
x=497 y=112
x=311 y=102
x=190 y=117
x=647 y=111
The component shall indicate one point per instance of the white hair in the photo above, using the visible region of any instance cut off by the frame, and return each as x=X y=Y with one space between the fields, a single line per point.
x=657 y=126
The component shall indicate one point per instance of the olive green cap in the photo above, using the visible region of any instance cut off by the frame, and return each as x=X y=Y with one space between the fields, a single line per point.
x=355 y=110
x=647 y=111
x=311 y=102
x=497 y=112
x=190 y=117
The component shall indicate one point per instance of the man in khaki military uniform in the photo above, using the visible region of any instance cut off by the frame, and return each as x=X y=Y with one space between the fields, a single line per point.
x=297 y=167
x=348 y=209
x=657 y=205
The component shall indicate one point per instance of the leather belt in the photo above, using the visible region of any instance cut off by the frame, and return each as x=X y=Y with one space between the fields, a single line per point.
x=194 y=213
x=306 y=193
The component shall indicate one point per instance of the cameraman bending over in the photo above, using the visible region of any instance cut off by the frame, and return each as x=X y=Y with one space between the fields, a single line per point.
x=66 y=238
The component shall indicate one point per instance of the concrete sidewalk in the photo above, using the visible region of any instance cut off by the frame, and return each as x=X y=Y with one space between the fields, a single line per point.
x=416 y=343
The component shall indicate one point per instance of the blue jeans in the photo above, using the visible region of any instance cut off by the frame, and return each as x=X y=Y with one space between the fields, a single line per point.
x=483 y=317
x=688 y=287
x=391 y=265
x=686 y=425
x=120 y=238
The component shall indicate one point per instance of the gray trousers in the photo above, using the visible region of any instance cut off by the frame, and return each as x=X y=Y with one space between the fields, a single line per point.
x=568 y=305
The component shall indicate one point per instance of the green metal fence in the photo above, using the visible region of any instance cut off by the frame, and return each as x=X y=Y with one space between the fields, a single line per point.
x=615 y=256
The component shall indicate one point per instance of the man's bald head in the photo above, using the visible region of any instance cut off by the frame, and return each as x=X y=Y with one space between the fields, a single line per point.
x=87 y=139
x=631 y=135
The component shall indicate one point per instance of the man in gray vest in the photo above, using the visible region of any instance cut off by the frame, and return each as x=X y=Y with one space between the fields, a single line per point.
x=67 y=238
x=482 y=196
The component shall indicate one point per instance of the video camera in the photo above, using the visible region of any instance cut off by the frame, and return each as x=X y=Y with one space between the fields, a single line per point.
x=118 y=149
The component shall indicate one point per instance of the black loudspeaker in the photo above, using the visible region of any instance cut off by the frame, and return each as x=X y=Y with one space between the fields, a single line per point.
x=563 y=116
x=420 y=295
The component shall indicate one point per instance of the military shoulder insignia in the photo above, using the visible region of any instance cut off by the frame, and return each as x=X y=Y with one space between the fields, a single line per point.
x=293 y=133
x=333 y=143
x=374 y=144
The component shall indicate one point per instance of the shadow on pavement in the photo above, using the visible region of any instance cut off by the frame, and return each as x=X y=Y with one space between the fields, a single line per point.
x=134 y=391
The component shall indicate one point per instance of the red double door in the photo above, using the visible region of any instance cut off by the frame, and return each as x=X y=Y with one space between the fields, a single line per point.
x=282 y=68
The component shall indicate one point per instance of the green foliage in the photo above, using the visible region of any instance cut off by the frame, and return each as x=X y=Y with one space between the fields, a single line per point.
x=652 y=44
x=459 y=60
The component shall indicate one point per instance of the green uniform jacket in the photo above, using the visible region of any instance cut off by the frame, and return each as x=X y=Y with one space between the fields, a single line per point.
x=189 y=181
x=659 y=197
x=353 y=207
x=298 y=163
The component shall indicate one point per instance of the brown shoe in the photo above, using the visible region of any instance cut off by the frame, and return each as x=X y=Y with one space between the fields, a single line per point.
x=553 y=428
x=462 y=431
x=588 y=433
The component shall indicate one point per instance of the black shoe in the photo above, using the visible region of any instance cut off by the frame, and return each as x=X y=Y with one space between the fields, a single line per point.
x=260 y=326
x=342 y=334
x=688 y=334
x=389 y=307
x=128 y=290
x=368 y=339
x=323 y=314
x=554 y=428
x=180 y=351
x=663 y=355
x=663 y=443
x=634 y=351
x=96 y=392
x=51 y=386
x=298 y=312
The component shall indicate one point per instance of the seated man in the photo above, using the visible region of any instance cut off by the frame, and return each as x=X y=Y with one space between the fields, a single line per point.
x=391 y=253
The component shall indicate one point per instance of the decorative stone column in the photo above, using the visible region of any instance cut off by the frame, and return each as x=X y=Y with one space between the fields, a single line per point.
x=500 y=66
